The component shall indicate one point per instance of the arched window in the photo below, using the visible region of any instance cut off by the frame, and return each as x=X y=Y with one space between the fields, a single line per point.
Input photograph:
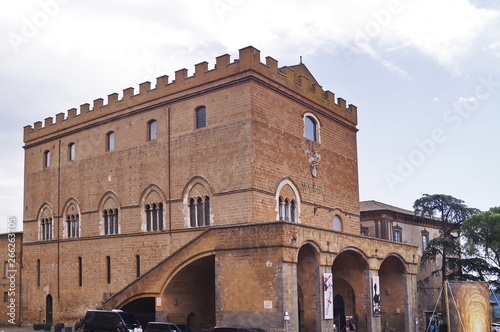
x=337 y=223
x=71 y=151
x=286 y=209
x=311 y=128
x=281 y=209
x=199 y=211
x=154 y=216
x=110 y=141
x=201 y=117
x=72 y=226
x=192 y=212
x=46 y=158
x=287 y=201
x=110 y=217
x=152 y=130
x=207 y=211
x=46 y=229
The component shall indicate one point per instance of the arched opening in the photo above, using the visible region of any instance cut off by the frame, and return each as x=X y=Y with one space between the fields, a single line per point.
x=339 y=312
x=350 y=272
x=190 y=295
x=307 y=285
x=48 y=310
x=392 y=279
x=143 y=309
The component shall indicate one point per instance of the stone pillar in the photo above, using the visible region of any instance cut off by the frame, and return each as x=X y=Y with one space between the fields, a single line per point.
x=289 y=296
x=326 y=324
x=373 y=322
x=410 y=303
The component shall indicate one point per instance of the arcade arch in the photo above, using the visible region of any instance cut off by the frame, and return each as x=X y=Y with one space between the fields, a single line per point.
x=350 y=275
x=392 y=276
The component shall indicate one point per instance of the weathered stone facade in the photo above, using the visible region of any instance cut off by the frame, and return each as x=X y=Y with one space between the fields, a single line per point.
x=219 y=198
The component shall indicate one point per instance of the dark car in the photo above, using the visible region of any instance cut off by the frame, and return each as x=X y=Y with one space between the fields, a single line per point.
x=162 y=327
x=108 y=320
x=186 y=328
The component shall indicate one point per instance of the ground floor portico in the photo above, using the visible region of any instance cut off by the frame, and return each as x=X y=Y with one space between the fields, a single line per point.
x=250 y=275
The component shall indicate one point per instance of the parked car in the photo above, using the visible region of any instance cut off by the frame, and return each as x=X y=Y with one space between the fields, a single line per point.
x=185 y=328
x=108 y=320
x=162 y=327
x=237 y=329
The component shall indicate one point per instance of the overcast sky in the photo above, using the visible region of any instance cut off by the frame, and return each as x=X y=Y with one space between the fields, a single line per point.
x=425 y=76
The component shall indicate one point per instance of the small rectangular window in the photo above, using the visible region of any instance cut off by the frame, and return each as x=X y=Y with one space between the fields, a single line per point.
x=152 y=130
x=5 y=269
x=108 y=269
x=71 y=150
x=397 y=236
x=425 y=240
x=5 y=296
x=138 y=265
x=110 y=141
x=38 y=272
x=46 y=158
x=80 y=272
x=201 y=117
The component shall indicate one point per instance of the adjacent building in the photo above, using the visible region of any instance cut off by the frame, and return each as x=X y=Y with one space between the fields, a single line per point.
x=225 y=197
x=392 y=223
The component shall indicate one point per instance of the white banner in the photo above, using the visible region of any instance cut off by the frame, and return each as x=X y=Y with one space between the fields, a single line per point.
x=376 y=296
x=328 y=294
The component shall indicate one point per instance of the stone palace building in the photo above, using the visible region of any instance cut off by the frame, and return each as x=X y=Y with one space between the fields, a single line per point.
x=228 y=196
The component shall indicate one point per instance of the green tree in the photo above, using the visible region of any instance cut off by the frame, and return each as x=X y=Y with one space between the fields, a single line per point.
x=451 y=212
x=482 y=245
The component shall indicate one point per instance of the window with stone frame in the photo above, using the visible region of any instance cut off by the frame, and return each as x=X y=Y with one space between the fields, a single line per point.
x=46 y=229
x=311 y=127
x=154 y=216
x=110 y=218
x=287 y=210
x=287 y=201
x=72 y=226
x=199 y=211
x=397 y=234
x=337 y=223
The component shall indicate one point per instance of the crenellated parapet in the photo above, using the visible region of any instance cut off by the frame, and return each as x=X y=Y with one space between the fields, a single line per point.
x=249 y=63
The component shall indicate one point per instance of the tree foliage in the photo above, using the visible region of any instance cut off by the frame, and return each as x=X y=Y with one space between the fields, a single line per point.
x=482 y=244
x=451 y=212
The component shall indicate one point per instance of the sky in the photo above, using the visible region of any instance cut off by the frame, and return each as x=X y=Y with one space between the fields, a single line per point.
x=425 y=76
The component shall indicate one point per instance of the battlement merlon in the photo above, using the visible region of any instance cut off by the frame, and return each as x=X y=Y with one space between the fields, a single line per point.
x=249 y=60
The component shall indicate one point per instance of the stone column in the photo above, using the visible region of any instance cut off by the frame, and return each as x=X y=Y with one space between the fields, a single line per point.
x=373 y=322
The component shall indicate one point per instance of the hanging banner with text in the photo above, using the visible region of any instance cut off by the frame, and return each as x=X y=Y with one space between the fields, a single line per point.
x=328 y=294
